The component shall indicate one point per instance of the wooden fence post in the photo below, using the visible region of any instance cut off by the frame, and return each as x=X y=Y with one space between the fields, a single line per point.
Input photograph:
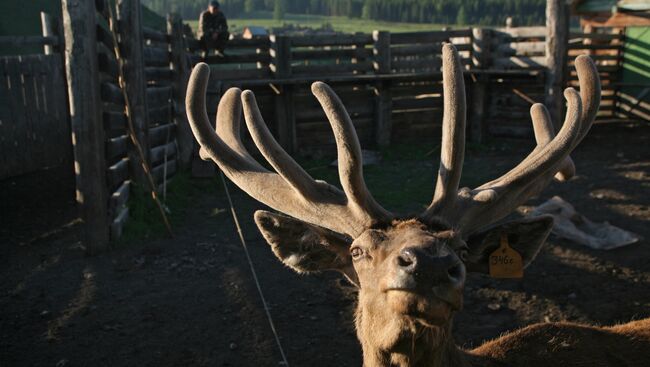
x=49 y=30
x=181 y=76
x=132 y=46
x=557 y=42
x=480 y=61
x=86 y=120
x=383 y=100
x=284 y=110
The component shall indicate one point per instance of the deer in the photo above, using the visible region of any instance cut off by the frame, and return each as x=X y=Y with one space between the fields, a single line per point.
x=410 y=270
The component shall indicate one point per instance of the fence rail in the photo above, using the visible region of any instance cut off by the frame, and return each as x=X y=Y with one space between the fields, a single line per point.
x=391 y=84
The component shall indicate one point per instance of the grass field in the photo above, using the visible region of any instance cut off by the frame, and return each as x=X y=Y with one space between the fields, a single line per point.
x=339 y=24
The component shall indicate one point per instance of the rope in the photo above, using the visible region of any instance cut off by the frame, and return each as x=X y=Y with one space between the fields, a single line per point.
x=252 y=267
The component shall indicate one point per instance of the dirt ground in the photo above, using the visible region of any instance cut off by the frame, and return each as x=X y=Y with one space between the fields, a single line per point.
x=191 y=300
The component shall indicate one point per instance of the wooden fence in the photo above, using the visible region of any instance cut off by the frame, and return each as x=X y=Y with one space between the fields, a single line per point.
x=34 y=128
x=390 y=83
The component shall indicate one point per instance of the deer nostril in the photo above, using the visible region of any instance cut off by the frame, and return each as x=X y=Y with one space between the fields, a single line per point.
x=455 y=272
x=406 y=259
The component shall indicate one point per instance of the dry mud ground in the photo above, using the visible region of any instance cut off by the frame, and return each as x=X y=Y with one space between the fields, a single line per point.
x=191 y=300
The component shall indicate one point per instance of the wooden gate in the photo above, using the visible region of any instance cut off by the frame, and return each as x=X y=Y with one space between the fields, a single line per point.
x=34 y=129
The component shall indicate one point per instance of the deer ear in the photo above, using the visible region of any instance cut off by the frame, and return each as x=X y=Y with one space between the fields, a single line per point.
x=526 y=236
x=304 y=247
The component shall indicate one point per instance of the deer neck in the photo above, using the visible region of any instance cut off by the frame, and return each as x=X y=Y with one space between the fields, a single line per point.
x=388 y=341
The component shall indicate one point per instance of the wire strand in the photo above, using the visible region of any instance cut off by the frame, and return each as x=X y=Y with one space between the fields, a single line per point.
x=252 y=267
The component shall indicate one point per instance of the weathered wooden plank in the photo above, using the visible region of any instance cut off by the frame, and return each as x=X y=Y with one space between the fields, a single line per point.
x=120 y=197
x=427 y=37
x=158 y=73
x=322 y=54
x=258 y=42
x=159 y=153
x=158 y=172
x=534 y=31
x=161 y=134
x=154 y=35
x=117 y=225
x=114 y=121
x=417 y=103
x=111 y=93
x=107 y=64
x=244 y=58
x=104 y=36
x=327 y=40
x=21 y=41
x=517 y=62
x=228 y=74
x=597 y=36
x=117 y=147
x=182 y=69
x=521 y=48
x=157 y=96
x=6 y=126
x=363 y=66
x=19 y=119
x=117 y=173
x=160 y=114
x=582 y=46
x=83 y=93
x=155 y=56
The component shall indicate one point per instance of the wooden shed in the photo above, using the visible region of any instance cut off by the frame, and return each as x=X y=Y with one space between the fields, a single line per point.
x=612 y=13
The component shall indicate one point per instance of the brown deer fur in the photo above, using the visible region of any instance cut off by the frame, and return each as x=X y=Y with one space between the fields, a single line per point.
x=411 y=271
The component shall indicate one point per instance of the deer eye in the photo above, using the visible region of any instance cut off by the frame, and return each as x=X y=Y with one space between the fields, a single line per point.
x=356 y=252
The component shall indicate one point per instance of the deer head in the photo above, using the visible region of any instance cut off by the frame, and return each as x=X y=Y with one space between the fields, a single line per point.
x=410 y=270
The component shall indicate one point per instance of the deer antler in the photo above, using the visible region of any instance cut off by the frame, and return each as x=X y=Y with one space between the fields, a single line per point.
x=291 y=190
x=470 y=210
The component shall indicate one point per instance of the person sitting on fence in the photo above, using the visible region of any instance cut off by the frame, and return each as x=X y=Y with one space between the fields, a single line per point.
x=213 y=29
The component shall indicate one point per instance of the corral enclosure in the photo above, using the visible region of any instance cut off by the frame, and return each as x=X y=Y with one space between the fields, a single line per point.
x=390 y=83
x=189 y=300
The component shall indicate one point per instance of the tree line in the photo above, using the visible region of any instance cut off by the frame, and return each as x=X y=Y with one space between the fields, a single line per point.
x=462 y=12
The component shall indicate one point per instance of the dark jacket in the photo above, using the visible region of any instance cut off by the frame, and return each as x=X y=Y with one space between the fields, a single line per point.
x=210 y=23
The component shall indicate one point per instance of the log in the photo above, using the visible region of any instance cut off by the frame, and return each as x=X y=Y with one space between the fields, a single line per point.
x=120 y=197
x=117 y=147
x=156 y=56
x=363 y=66
x=154 y=35
x=84 y=99
x=161 y=134
x=117 y=226
x=181 y=75
x=157 y=96
x=327 y=40
x=111 y=93
x=323 y=54
x=157 y=74
x=131 y=44
x=160 y=114
x=158 y=153
x=427 y=37
x=557 y=39
x=21 y=41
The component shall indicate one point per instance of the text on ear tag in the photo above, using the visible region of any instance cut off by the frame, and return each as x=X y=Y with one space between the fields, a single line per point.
x=505 y=262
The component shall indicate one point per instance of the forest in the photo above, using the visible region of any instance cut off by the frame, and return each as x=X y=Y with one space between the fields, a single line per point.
x=462 y=12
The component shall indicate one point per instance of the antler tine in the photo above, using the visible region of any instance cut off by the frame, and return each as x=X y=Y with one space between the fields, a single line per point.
x=292 y=191
x=291 y=171
x=544 y=134
x=452 y=150
x=350 y=161
x=491 y=202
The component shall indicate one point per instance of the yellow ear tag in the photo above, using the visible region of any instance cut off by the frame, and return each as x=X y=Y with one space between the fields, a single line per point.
x=505 y=262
